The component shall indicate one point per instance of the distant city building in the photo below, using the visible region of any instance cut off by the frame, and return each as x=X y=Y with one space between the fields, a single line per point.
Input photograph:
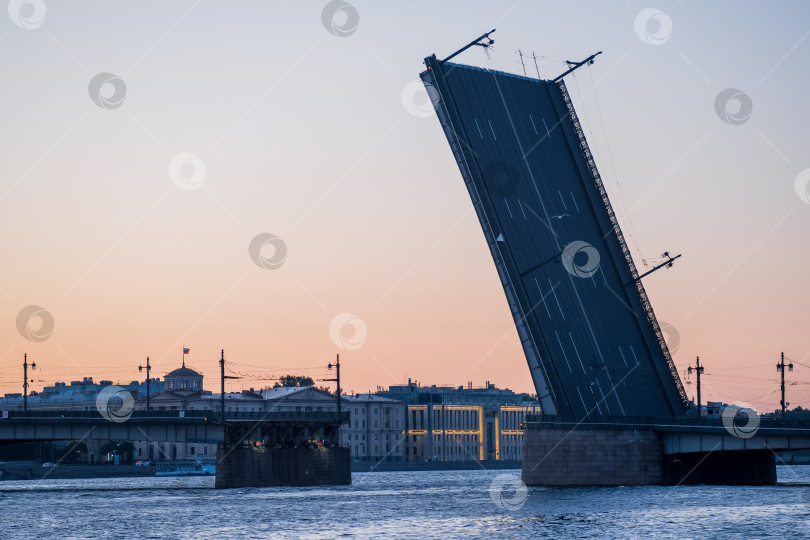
x=183 y=378
x=298 y=399
x=445 y=423
x=76 y=396
x=715 y=409
x=376 y=428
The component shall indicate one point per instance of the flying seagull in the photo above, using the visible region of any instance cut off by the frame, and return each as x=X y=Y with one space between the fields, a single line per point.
x=561 y=216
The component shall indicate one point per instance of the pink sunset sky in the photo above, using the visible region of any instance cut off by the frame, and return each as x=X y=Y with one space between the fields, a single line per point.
x=128 y=214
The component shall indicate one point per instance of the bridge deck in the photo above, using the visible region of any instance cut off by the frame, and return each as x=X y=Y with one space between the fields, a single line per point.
x=158 y=426
x=687 y=435
x=588 y=331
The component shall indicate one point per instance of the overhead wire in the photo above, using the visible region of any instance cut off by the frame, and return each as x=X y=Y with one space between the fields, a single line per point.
x=619 y=189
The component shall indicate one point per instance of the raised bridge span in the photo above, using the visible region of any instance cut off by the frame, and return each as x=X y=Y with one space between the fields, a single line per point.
x=594 y=348
x=588 y=330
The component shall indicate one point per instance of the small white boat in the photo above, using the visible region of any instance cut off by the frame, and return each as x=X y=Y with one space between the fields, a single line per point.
x=206 y=467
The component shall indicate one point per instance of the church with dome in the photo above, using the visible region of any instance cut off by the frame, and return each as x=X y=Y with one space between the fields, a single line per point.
x=182 y=390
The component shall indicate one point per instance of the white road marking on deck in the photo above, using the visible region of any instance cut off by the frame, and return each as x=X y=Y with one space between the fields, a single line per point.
x=634 y=355
x=492 y=129
x=479 y=128
x=623 y=358
x=575 y=201
x=555 y=298
x=563 y=351
x=507 y=207
x=542 y=297
x=582 y=400
x=547 y=131
x=522 y=210
x=604 y=399
x=563 y=200
x=576 y=351
x=535 y=127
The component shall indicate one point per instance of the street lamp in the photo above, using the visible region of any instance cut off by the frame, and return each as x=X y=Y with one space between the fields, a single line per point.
x=336 y=365
x=148 y=379
x=699 y=369
x=781 y=368
x=25 y=380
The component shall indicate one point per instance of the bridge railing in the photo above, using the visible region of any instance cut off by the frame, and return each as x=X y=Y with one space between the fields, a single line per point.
x=653 y=421
x=212 y=416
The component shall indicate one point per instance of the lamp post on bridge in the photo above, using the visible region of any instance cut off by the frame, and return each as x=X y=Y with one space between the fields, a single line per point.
x=222 y=395
x=781 y=368
x=336 y=365
x=699 y=369
x=34 y=366
x=148 y=380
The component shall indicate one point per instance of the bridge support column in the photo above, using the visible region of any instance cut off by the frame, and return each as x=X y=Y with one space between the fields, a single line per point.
x=593 y=454
x=246 y=466
x=734 y=467
x=591 y=457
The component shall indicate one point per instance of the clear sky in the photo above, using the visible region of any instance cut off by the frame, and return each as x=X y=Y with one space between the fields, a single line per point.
x=129 y=201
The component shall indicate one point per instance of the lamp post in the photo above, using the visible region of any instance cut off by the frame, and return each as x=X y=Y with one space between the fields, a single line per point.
x=699 y=369
x=336 y=365
x=148 y=380
x=781 y=368
x=225 y=441
x=25 y=380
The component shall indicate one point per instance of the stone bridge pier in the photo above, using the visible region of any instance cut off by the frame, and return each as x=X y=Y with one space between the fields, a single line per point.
x=670 y=451
x=295 y=452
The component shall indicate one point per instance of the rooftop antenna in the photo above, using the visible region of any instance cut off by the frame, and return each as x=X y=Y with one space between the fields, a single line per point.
x=487 y=42
x=521 y=61
x=536 y=66
x=576 y=65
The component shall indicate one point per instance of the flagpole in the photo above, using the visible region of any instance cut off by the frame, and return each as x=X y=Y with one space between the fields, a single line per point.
x=183 y=354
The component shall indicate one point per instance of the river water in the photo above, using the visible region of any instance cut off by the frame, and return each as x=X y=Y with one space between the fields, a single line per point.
x=470 y=504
